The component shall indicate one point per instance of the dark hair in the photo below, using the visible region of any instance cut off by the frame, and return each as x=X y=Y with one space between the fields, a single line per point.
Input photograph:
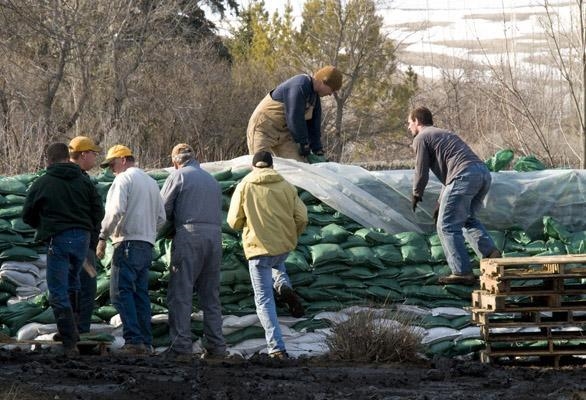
x=423 y=115
x=57 y=152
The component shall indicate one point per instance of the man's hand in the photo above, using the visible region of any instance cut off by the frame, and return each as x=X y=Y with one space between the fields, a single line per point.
x=436 y=213
x=414 y=200
x=304 y=149
x=101 y=249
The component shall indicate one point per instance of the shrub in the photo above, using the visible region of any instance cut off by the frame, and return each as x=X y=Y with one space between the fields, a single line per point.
x=369 y=336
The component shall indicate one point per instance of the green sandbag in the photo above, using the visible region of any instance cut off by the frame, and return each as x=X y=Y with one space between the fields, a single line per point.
x=10 y=237
x=321 y=219
x=16 y=315
x=430 y=321
x=4 y=297
x=15 y=199
x=323 y=253
x=103 y=286
x=249 y=332
x=500 y=160
x=342 y=295
x=311 y=325
x=307 y=198
x=461 y=322
x=96 y=337
x=437 y=254
x=158 y=174
x=19 y=253
x=45 y=317
x=357 y=283
x=7 y=286
x=428 y=292
x=359 y=272
x=18 y=225
x=376 y=236
x=231 y=262
x=11 y=185
x=222 y=175
x=384 y=295
x=363 y=256
x=11 y=211
x=326 y=280
x=296 y=262
x=554 y=230
x=106 y=312
x=528 y=163
x=230 y=243
x=227 y=186
x=331 y=268
x=230 y=277
x=154 y=278
x=414 y=254
x=388 y=254
x=390 y=272
x=158 y=309
x=302 y=278
x=238 y=174
x=354 y=241
x=313 y=294
x=415 y=273
x=465 y=346
x=311 y=235
x=333 y=233
x=384 y=282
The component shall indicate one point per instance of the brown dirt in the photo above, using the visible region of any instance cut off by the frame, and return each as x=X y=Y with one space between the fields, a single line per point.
x=43 y=375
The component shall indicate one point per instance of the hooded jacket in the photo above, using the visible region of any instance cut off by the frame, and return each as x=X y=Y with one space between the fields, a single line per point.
x=64 y=198
x=270 y=213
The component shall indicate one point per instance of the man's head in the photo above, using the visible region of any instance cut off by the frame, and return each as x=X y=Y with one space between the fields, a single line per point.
x=84 y=152
x=262 y=159
x=118 y=159
x=57 y=153
x=181 y=154
x=327 y=80
x=418 y=118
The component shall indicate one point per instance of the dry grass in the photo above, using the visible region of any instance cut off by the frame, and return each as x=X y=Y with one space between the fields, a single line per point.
x=368 y=336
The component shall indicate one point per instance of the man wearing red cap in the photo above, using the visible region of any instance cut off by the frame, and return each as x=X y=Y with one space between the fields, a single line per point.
x=287 y=122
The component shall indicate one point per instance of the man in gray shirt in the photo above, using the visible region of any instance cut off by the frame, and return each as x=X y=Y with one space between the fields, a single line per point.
x=193 y=204
x=466 y=181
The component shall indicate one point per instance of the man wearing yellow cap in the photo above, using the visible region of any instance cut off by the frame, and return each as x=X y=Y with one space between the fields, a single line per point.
x=287 y=122
x=84 y=152
x=193 y=203
x=134 y=211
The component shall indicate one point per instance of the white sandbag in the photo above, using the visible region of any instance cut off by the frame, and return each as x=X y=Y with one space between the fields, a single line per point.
x=414 y=310
x=28 y=331
x=21 y=266
x=249 y=347
x=160 y=319
x=449 y=312
x=470 y=332
x=41 y=262
x=234 y=323
x=27 y=292
x=46 y=329
x=335 y=317
x=439 y=334
x=43 y=286
x=116 y=320
x=19 y=278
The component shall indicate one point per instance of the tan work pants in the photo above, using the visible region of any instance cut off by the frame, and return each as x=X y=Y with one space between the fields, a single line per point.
x=267 y=131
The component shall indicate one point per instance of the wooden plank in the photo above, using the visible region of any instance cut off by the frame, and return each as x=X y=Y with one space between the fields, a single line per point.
x=546 y=335
x=549 y=283
x=526 y=319
x=557 y=259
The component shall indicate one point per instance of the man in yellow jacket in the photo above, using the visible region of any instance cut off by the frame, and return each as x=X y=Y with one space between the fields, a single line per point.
x=272 y=217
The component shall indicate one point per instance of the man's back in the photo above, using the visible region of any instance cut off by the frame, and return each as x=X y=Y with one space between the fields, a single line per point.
x=193 y=195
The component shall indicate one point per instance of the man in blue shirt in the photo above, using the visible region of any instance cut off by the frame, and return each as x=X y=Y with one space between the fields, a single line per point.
x=287 y=122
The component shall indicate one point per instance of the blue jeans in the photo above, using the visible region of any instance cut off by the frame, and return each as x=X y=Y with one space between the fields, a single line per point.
x=262 y=269
x=129 y=294
x=459 y=203
x=87 y=295
x=66 y=252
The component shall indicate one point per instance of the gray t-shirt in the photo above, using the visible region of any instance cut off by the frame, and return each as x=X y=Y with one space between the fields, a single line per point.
x=441 y=151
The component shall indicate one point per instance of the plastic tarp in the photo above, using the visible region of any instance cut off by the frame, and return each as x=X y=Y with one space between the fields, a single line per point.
x=382 y=199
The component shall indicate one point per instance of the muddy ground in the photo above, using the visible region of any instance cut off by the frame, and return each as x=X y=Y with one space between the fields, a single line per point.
x=42 y=375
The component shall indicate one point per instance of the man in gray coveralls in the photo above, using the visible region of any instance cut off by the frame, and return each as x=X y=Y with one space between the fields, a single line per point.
x=193 y=203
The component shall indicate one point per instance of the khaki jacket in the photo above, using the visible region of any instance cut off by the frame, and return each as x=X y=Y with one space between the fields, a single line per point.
x=270 y=213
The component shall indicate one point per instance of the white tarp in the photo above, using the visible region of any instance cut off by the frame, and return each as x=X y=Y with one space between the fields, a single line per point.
x=382 y=199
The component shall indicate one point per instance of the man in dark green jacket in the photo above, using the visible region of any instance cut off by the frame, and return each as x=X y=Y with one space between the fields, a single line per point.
x=63 y=206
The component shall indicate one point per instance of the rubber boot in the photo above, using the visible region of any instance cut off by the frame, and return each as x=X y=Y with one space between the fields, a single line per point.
x=68 y=331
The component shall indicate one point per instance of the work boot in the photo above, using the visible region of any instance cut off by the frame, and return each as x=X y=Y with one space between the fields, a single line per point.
x=279 y=355
x=494 y=254
x=288 y=296
x=67 y=330
x=454 y=279
x=133 y=349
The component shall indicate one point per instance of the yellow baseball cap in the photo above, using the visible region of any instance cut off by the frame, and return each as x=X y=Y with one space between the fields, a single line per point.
x=117 y=151
x=83 y=143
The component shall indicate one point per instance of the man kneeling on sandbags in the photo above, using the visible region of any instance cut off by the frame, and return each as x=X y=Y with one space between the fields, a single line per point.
x=272 y=216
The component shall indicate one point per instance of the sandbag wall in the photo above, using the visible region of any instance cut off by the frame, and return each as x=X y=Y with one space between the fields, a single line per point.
x=338 y=263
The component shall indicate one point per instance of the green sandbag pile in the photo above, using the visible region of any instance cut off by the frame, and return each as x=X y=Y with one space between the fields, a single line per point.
x=338 y=263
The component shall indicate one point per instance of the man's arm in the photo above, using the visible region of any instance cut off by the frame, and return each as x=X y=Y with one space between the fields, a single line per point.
x=236 y=217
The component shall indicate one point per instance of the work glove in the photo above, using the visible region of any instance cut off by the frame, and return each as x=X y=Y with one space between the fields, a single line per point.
x=414 y=200
x=436 y=213
x=304 y=149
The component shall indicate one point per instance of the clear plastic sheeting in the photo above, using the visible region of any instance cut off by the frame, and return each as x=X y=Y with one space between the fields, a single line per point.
x=382 y=199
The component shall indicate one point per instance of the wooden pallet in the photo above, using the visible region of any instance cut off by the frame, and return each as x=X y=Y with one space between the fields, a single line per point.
x=529 y=266
x=546 y=334
x=562 y=284
x=529 y=358
x=535 y=301
x=536 y=318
